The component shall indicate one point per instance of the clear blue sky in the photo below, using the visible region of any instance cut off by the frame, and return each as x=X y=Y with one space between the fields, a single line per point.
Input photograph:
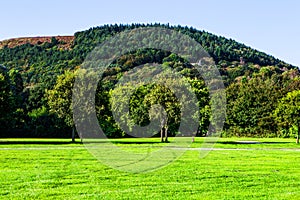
x=272 y=26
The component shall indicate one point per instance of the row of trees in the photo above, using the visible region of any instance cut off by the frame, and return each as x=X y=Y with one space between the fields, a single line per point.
x=263 y=105
x=119 y=113
x=266 y=105
x=253 y=104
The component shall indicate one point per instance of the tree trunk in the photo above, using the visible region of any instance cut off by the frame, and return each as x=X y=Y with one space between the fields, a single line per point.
x=199 y=131
x=166 y=134
x=73 y=134
x=162 y=134
x=297 y=141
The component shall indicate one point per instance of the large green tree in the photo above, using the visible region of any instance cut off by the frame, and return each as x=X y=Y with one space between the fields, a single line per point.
x=158 y=101
x=250 y=106
x=60 y=99
x=287 y=113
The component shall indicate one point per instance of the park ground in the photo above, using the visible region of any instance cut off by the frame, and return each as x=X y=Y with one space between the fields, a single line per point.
x=234 y=169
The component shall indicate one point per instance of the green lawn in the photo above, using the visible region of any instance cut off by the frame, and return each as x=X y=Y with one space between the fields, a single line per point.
x=57 y=169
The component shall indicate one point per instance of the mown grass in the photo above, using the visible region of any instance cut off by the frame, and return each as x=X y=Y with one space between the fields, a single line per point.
x=38 y=169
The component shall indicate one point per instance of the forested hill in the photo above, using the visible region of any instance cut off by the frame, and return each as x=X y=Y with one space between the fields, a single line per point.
x=31 y=67
x=35 y=57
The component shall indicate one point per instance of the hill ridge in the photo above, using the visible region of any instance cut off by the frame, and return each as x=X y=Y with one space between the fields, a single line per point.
x=66 y=41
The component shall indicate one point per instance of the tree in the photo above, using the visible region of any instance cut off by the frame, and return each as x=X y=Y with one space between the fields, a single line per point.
x=287 y=113
x=17 y=88
x=164 y=104
x=250 y=106
x=160 y=95
x=202 y=94
x=6 y=100
x=60 y=99
x=148 y=103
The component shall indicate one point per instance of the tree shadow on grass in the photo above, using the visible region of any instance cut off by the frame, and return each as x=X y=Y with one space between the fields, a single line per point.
x=140 y=142
x=123 y=142
x=250 y=142
x=5 y=142
x=242 y=142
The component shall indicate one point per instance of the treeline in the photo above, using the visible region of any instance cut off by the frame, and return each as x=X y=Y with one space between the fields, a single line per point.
x=33 y=76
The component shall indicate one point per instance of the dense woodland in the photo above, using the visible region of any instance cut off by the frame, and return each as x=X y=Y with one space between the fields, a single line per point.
x=37 y=80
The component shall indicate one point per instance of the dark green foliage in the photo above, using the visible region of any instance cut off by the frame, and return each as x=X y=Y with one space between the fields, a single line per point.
x=251 y=103
x=7 y=106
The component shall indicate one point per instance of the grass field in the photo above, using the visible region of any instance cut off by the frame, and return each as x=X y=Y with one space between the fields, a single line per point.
x=57 y=169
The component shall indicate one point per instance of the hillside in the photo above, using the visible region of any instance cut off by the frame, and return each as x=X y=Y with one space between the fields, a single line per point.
x=70 y=51
x=37 y=62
